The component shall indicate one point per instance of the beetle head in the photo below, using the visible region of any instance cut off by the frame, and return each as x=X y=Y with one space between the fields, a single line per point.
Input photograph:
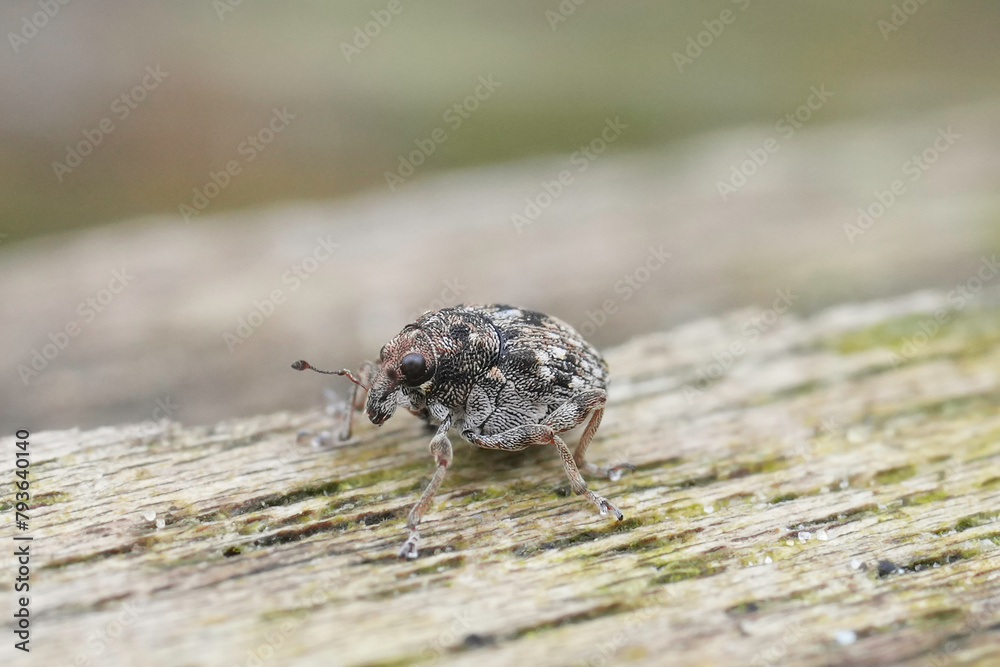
x=406 y=362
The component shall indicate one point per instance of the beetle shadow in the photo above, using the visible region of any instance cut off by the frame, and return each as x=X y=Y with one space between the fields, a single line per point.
x=474 y=463
x=494 y=460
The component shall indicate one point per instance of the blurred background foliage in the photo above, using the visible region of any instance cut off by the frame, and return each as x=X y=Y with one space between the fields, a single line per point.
x=230 y=64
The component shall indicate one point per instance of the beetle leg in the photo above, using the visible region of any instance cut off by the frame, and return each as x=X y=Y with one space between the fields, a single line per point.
x=614 y=473
x=543 y=434
x=572 y=413
x=358 y=395
x=440 y=448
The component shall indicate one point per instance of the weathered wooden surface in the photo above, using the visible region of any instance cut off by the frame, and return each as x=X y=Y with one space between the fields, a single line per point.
x=760 y=507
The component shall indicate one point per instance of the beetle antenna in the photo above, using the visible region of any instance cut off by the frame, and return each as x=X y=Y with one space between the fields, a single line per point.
x=302 y=365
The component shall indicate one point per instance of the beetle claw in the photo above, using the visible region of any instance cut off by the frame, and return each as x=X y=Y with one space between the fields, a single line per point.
x=615 y=473
x=409 y=548
x=604 y=506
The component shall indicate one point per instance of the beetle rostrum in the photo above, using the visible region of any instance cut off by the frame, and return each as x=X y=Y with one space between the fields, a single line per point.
x=502 y=377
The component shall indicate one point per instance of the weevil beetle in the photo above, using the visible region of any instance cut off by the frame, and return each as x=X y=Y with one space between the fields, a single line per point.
x=503 y=377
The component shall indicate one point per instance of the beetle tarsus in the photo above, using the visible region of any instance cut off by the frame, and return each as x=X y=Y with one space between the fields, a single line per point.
x=605 y=505
x=409 y=548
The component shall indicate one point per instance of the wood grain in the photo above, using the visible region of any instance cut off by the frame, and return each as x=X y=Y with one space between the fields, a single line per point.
x=761 y=505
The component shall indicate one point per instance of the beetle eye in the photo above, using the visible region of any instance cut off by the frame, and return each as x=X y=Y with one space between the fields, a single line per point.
x=413 y=367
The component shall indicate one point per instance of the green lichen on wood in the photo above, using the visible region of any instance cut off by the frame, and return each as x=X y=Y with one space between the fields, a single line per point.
x=976 y=330
x=894 y=475
x=748 y=512
x=934 y=496
x=682 y=568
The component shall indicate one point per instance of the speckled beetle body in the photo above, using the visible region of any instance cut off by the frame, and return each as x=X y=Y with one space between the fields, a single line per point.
x=503 y=377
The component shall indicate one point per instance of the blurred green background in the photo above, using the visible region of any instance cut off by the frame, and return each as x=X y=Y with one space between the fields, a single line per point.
x=230 y=64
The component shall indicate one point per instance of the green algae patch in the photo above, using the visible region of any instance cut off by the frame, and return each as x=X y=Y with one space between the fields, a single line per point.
x=652 y=543
x=436 y=568
x=894 y=475
x=325 y=489
x=692 y=567
x=479 y=495
x=253 y=525
x=841 y=518
x=301 y=517
x=735 y=470
x=975 y=520
x=967 y=334
x=403 y=661
x=339 y=524
x=891 y=334
x=671 y=462
x=279 y=499
x=294 y=535
x=50 y=498
x=795 y=390
x=375 y=518
x=612 y=609
x=693 y=482
x=765 y=604
x=746 y=468
x=934 y=496
x=586 y=536
x=125 y=549
x=945 y=558
x=938 y=617
x=402 y=472
x=686 y=511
